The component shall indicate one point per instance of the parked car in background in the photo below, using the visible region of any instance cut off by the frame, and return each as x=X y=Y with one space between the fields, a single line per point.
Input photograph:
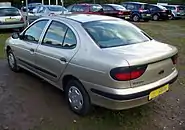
x=11 y=18
x=138 y=11
x=47 y=10
x=178 y=11
x=95 y=59
x=158 y=12
x=86 y=8
x=116 y=10
x=31 y=6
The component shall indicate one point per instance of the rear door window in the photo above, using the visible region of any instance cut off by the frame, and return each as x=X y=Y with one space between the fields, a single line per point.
x=130 y=7
x=181 y=7
x=96 y=8
x=9 y=12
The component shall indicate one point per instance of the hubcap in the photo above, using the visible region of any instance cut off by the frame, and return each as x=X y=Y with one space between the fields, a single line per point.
x=11 y=60
x=155 y=17
x=135 y=18
x=75 y=98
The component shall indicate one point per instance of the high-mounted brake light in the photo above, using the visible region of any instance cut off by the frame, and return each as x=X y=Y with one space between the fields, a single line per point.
x=128 y=73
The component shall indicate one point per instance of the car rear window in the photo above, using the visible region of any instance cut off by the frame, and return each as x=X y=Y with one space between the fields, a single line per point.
x=118 y=7
x=114 y=33
x=170 y=7
x=9 y=12
x=57 y=9
x=181 y=7
x=96 y=8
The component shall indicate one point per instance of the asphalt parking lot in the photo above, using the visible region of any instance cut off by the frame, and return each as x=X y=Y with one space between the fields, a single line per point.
x=29 y=103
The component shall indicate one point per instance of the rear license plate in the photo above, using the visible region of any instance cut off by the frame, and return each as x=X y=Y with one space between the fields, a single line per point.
x=127 y=17
x=10 y=19
x=159 y=91
x=148 y=14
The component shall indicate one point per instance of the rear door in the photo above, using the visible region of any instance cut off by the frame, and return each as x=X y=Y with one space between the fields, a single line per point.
x=108 y=10
x=56 y=50
x=10 y=16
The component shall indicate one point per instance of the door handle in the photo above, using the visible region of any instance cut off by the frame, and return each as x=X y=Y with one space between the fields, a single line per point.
x=32 y=50
x=63 y=59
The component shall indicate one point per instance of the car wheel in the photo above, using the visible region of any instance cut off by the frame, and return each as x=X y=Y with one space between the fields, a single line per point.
x=171 y=17
x=136 y=18
x=77 y=98
x=12 y=61
x=155 y=17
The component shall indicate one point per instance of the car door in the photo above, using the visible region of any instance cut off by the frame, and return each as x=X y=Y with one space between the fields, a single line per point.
x=56 y=50
x=108 y=10
x=28 y=42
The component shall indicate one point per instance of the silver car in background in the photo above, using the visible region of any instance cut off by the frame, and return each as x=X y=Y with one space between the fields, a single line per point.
x=47 y=10
x=11 y=18
x=178 y=11
x=94 y=61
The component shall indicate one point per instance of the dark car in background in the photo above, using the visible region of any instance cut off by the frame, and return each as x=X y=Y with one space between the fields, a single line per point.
x=86 y=8
x=138 y=11
x=116 y=10
x=159 y=12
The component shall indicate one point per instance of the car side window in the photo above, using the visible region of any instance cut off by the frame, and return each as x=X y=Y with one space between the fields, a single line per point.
x=41 y=9
x=130 y=7
x=33 y=33
x=55 y=34
x=153 y=8
x=70 y=40
x=107 y=8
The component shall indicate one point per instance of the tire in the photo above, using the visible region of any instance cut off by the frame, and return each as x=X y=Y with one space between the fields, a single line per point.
x=172 y=17
x=77 y=98
x=155 y=17
x=135 y=18
x=12 y=61
x=146 y=20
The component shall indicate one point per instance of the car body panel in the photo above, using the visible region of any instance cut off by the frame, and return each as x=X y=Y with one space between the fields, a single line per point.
x=91 y=65
x=116 y=11
x=137 y=8
x=11 y=21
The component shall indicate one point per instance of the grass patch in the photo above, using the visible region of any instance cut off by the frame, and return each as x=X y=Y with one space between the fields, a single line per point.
x=3 y=38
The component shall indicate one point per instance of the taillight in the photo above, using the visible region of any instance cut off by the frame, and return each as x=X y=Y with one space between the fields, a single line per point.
x=174 y=59
x=141 y=10
x=178 y=10
x=120 y=12
x=127 y=73
x=22 y=19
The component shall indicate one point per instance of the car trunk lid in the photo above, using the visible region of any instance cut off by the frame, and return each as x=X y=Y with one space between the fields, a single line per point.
x=155 y=55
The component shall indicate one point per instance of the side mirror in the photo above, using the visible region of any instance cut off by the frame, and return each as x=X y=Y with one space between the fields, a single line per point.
x=15 y=35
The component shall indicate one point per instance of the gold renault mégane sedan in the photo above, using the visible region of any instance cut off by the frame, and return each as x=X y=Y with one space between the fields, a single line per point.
x=95 y=60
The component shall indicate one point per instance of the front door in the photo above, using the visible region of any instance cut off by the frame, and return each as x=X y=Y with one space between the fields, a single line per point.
x=56 y=50
x=27 y=44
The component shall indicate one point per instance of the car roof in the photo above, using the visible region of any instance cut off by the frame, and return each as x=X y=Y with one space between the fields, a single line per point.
x=83 y=18
x=51 y=5
x=7 y=7
x=113 y=4
x=135 y=2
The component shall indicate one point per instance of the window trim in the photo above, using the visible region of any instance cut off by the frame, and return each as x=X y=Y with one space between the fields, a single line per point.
x=63 y=38
x=23 y=33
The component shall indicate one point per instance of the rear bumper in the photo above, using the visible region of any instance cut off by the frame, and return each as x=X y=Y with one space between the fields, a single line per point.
x=12 y=26
x=118 y=99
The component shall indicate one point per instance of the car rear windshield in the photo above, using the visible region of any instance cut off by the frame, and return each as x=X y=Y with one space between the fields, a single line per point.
x=112 y=33
x=96 y=8
x=118 y=7
x=57 y=9
x=9 y=12
x=170 y=7
x=181 y=7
